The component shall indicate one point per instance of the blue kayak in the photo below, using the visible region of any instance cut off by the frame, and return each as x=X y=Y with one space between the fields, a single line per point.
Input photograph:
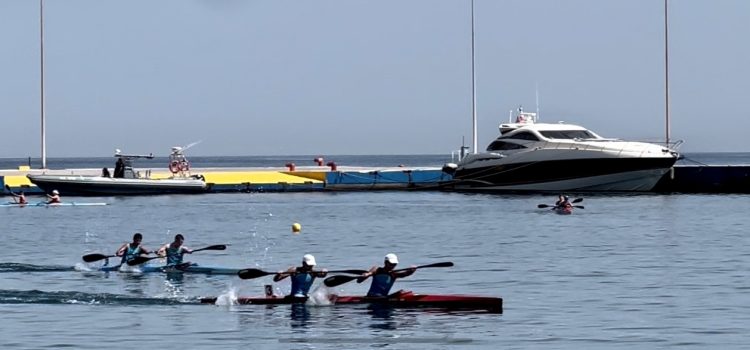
x=44 y=204
x=182 y=268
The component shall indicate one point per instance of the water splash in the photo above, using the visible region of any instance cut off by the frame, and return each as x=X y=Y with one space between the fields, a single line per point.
x=319 y=296
x=227 y=298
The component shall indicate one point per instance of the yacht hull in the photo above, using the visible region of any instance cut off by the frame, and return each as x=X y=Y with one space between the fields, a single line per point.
x=596 y=175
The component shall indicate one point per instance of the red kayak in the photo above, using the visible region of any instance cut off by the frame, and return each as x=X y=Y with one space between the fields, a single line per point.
x=400 y=299
x=567 y=210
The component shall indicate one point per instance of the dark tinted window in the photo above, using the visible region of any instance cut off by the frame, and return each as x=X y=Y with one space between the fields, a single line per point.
x=568 y=134
x=524 y=136
x=498 y=145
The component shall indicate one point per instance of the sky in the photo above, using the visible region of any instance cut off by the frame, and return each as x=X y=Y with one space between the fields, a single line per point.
x=335 y=77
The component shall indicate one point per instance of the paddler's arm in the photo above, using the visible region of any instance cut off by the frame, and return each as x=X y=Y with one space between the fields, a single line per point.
x=162 y=252
x=367 y=274
x=284 y=274
x=187 y=250
x=121 y=250
x=322 y=273
x=407 y=272
x=145 y=250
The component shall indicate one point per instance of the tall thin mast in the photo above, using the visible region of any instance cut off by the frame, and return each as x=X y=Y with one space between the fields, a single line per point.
x=666 y=70
x=473 y=86
x=41 y=65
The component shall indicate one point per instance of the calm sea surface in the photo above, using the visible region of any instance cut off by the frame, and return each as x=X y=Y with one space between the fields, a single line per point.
x=628 y=271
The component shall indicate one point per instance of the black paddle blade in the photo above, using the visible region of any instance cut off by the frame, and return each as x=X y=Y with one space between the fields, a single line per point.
x=141 y=259
x=542 y=206
x=247 y=274
x=578 y=200
x=440 y=264
x=334 y=281
x=579 y=206
x=95 y=257
x=212 y=247
x=8 y=188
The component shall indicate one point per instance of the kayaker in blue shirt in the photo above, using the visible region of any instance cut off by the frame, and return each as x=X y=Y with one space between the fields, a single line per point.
x=384 y=277
x=302 y=276
x=128 y=251
x=175 y=250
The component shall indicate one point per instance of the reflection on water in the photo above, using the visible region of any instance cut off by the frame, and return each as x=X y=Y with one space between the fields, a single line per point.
x=300 y=315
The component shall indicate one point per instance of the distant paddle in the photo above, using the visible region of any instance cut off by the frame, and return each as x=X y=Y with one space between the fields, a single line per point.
x=142 y=259
x=554 y=206
x=577 y=200
x=8 y=188
x=334 y=281
x=96 y=257
x=247 y=274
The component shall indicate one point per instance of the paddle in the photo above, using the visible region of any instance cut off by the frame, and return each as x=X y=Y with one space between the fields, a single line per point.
x=247 y=274
x=142 y=259
x=554 y=206
x=577 y=200
x=96 y=257
x=334 y=281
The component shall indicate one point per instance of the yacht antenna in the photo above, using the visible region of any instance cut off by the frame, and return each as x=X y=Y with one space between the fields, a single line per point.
x=41 y=65
x=537 y=101
x=473 y=86
x=666 y=70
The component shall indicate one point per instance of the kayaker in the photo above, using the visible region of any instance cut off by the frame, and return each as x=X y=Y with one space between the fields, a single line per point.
x=128 y=251
x=175 y=250
x=302 y=276
x=54 y=197
x=19 y=198
x=562 y=202
x=384 y=277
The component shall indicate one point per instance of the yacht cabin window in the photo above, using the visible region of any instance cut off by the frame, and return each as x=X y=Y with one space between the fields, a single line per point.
x=498 y=145
x=524 y=136
x=567 y=134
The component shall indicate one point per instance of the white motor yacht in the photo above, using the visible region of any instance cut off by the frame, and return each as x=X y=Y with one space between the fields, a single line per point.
x=531 y=156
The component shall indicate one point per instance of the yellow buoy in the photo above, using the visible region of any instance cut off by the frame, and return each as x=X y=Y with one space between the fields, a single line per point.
x=296 y=227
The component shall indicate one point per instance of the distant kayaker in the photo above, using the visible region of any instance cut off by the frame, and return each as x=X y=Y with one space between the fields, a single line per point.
x=175 y=250
x=384 y=277
x=302 y=276
x=19 y=198
x=54 y=197
x=129 y=251
x=562 y=202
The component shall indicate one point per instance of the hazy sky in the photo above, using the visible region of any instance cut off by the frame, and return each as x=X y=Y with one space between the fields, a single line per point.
x=326 y=77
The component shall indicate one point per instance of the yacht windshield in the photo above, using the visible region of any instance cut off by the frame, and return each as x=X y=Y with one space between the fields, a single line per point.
x=498 y=145
x=568 y=134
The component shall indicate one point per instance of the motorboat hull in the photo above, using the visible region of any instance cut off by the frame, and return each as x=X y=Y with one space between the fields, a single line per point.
x=587 y=174
x=96 y=185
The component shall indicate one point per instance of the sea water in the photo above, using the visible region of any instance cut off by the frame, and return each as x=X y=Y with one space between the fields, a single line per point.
x=626 y=271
